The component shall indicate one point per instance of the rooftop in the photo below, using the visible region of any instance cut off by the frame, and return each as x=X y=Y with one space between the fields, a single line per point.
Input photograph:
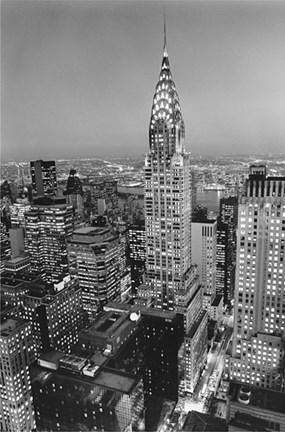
x=217 y=300
x=108 y=324
x=18 y=259
x=7 y=327
x=117 y=380
x=259 y=397
x=196 y=421
x=127 y=307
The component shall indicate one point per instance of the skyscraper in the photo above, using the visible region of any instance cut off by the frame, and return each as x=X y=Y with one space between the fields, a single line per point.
x=48 y=224
x=171 y=280
x=93 y=254
x=167 y=195
x=259 y=326
x=204 y=246
x=17 y=353
x=43 y=175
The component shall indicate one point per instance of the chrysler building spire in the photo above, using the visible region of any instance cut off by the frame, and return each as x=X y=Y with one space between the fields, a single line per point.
x=164 y=45
x=166 y=111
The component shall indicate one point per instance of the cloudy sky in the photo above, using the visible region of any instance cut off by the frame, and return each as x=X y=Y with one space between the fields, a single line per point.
x=78 y=77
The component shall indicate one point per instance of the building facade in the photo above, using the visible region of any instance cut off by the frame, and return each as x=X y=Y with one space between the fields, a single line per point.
x=17 y=353
x=204 y=247
x=93 y=254
x=171 y=281
x=56 y=314
x=48 y=225
x=259 y=315
x=43 y=175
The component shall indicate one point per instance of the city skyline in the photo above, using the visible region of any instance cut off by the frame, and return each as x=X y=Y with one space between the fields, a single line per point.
x=50 y=80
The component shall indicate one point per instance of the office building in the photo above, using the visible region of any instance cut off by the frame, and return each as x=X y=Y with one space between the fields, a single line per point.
x=93 y=254
x=171 y=281
x=17 y=241
x=228 y=215
x=4 y=244
x=259 y=314
x=225 y=262
x=137 y=253
x=74 y=195
x=74 y=393
x=17 y=213
x=204 y=251
x=43 y=175
x=145 y=342
x=56 y=314
x=17 y=353
x=48 y=225
x=20 y=263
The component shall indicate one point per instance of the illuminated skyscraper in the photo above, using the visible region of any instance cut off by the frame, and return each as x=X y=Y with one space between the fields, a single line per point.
x=259 y=326
x=171 y=280
x=167 y=195
x=93 y=254
x=48 y=224
x=43 y=175
x=17 y=353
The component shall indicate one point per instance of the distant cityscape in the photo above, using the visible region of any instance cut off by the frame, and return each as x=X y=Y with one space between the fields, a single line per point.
x=144 y=294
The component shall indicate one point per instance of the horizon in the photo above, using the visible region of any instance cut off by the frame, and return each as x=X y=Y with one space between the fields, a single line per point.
x=79 y=73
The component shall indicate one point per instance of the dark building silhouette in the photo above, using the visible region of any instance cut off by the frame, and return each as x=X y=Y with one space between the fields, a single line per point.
x=43 y=175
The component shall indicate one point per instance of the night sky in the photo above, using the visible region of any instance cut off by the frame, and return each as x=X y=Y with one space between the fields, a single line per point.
x=78 y=77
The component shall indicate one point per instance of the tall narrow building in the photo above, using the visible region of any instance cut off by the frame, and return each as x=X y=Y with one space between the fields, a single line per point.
x=172 y=282
x=167 y=195
x=259 y=327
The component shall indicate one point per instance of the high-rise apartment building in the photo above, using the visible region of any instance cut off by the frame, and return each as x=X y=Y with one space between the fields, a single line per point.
x=93 y=254
x=48 y=225
x=259 y=315
x=16 y=353
x=43 y=175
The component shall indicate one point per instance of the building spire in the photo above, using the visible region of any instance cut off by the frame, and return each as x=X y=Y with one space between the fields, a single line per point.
x=164 y=45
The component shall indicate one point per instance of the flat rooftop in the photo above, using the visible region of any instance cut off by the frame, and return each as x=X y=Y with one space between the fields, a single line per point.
x=127 y=307
x=112 y=379
x=262 y=398
x=116 y=380
x=18 y=259
x=90 y=230
x=108 y=324
x=7 y=327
